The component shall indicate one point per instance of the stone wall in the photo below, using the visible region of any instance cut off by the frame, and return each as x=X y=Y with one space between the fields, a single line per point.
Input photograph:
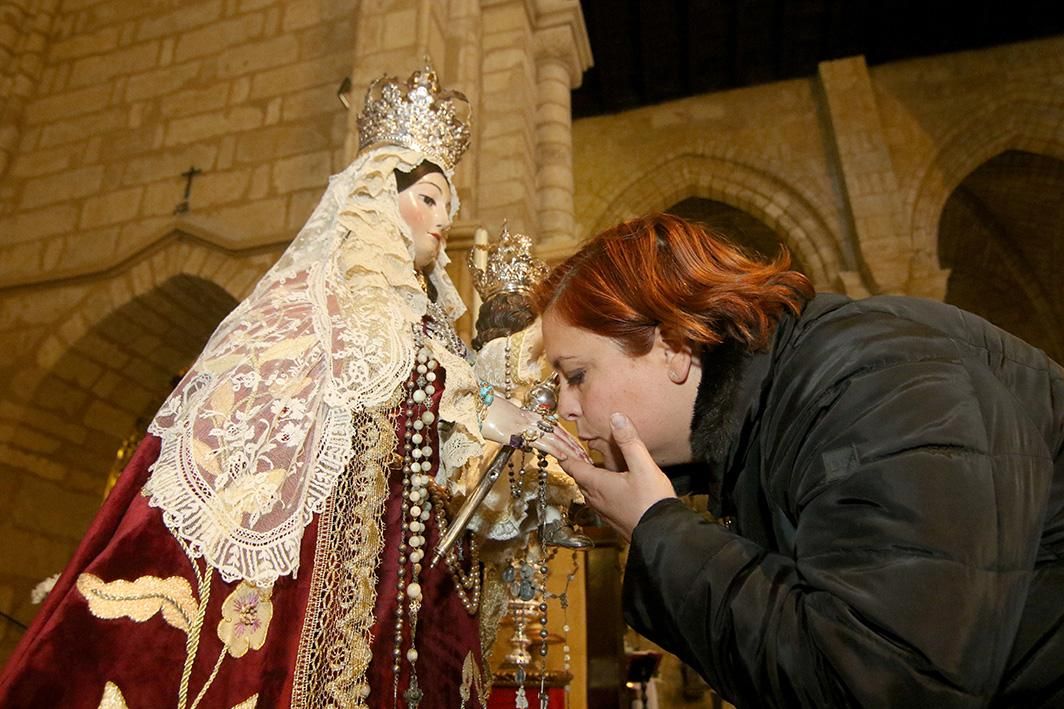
x=851 y=167
x=105 y=291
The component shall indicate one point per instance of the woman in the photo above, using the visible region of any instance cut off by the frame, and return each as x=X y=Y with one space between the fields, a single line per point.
x=291 y=482
x=890 y=472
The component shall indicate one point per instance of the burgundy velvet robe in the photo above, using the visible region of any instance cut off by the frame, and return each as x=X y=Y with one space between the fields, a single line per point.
x=68 y=655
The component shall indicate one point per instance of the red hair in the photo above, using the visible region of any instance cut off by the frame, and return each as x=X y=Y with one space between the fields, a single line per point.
x=662 y=271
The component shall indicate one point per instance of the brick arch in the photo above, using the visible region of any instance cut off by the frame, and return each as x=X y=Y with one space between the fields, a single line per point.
x=1026 y=118
x=765 y=197
x=46 y=409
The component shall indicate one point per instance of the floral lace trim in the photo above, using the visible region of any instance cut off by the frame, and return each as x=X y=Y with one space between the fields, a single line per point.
x=335 y=643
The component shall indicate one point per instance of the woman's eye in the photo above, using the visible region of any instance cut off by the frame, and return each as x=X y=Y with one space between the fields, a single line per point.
x=428 y=200
x=575 y=378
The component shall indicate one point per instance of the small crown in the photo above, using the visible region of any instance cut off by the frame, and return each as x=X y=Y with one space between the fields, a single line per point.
x=511 y=267
x=416 y=115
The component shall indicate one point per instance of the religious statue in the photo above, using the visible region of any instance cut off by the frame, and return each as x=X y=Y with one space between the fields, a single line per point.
x=265 y=544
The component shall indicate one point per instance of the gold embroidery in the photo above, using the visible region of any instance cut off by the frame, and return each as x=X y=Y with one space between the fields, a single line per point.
x=246 y=615
x=334 y=645
x=471 y=680
x=112 y=697
x=140 y=599
x=203 y=578
x=494 y=602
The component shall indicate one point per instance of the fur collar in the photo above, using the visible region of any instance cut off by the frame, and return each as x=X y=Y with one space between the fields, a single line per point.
x=714 y=422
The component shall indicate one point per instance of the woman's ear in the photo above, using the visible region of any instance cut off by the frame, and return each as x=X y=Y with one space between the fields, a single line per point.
x=678 y=361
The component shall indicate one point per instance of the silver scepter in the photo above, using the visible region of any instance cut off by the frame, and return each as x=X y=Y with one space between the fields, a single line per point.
x=541 y=399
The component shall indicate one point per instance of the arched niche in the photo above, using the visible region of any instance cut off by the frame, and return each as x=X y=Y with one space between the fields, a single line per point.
x=1001 y=234
x=773 y=202
x=103 y=388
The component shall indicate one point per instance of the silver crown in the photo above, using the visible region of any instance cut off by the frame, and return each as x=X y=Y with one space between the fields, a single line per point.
x=511 y=267
x=416 y=115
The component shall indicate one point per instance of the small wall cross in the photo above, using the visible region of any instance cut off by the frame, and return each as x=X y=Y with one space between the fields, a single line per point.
x=189 y=174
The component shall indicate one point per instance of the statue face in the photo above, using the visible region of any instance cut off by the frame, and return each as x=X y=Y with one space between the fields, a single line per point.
x=425 y=207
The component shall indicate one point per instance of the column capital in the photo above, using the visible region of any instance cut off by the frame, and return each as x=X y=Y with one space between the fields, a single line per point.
x=561 y=35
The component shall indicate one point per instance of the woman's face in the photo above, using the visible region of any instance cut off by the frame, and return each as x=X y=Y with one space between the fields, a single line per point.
x=425 y=207
x=656 y=391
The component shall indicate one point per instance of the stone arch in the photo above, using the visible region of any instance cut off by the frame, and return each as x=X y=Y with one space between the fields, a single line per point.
x=100 y=372
x=777 y=204
x=181 y=252
x=1026 y=118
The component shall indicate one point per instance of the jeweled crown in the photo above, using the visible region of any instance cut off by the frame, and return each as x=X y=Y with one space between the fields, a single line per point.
x=416 y=114
x=511 y=267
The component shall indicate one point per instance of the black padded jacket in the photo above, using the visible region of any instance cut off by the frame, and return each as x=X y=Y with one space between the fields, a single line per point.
x=895 y=471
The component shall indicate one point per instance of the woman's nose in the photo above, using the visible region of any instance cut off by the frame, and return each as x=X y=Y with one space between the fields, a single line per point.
x=568 y=407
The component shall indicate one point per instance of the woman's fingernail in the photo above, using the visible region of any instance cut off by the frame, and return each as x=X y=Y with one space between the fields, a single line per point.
x=619 y=420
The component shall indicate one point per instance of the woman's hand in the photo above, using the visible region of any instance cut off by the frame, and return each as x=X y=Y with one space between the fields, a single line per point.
x=622 y=497
x=505 y=420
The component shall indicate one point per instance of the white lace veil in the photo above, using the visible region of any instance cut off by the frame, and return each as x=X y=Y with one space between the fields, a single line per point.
x=256 y=433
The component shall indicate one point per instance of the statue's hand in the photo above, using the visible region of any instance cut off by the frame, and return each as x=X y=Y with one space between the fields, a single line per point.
x=506 y=423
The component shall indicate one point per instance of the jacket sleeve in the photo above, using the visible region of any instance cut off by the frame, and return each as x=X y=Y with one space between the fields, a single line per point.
x=916 y=495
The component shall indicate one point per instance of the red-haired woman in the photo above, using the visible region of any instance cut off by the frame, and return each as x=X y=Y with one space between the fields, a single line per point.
x=890 y=471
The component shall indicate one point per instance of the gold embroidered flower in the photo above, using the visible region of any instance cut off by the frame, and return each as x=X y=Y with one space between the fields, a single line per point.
x=246 y=615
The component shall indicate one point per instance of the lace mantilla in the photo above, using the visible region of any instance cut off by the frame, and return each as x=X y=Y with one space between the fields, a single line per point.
x=257 y=433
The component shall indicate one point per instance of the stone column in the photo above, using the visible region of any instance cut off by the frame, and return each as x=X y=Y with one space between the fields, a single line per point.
x=563 y=54
x=505 y=120
x=872 y=193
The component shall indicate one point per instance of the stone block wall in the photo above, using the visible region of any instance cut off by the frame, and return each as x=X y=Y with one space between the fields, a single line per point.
x=130 y=95
x=105 y=292
x=851 y=167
